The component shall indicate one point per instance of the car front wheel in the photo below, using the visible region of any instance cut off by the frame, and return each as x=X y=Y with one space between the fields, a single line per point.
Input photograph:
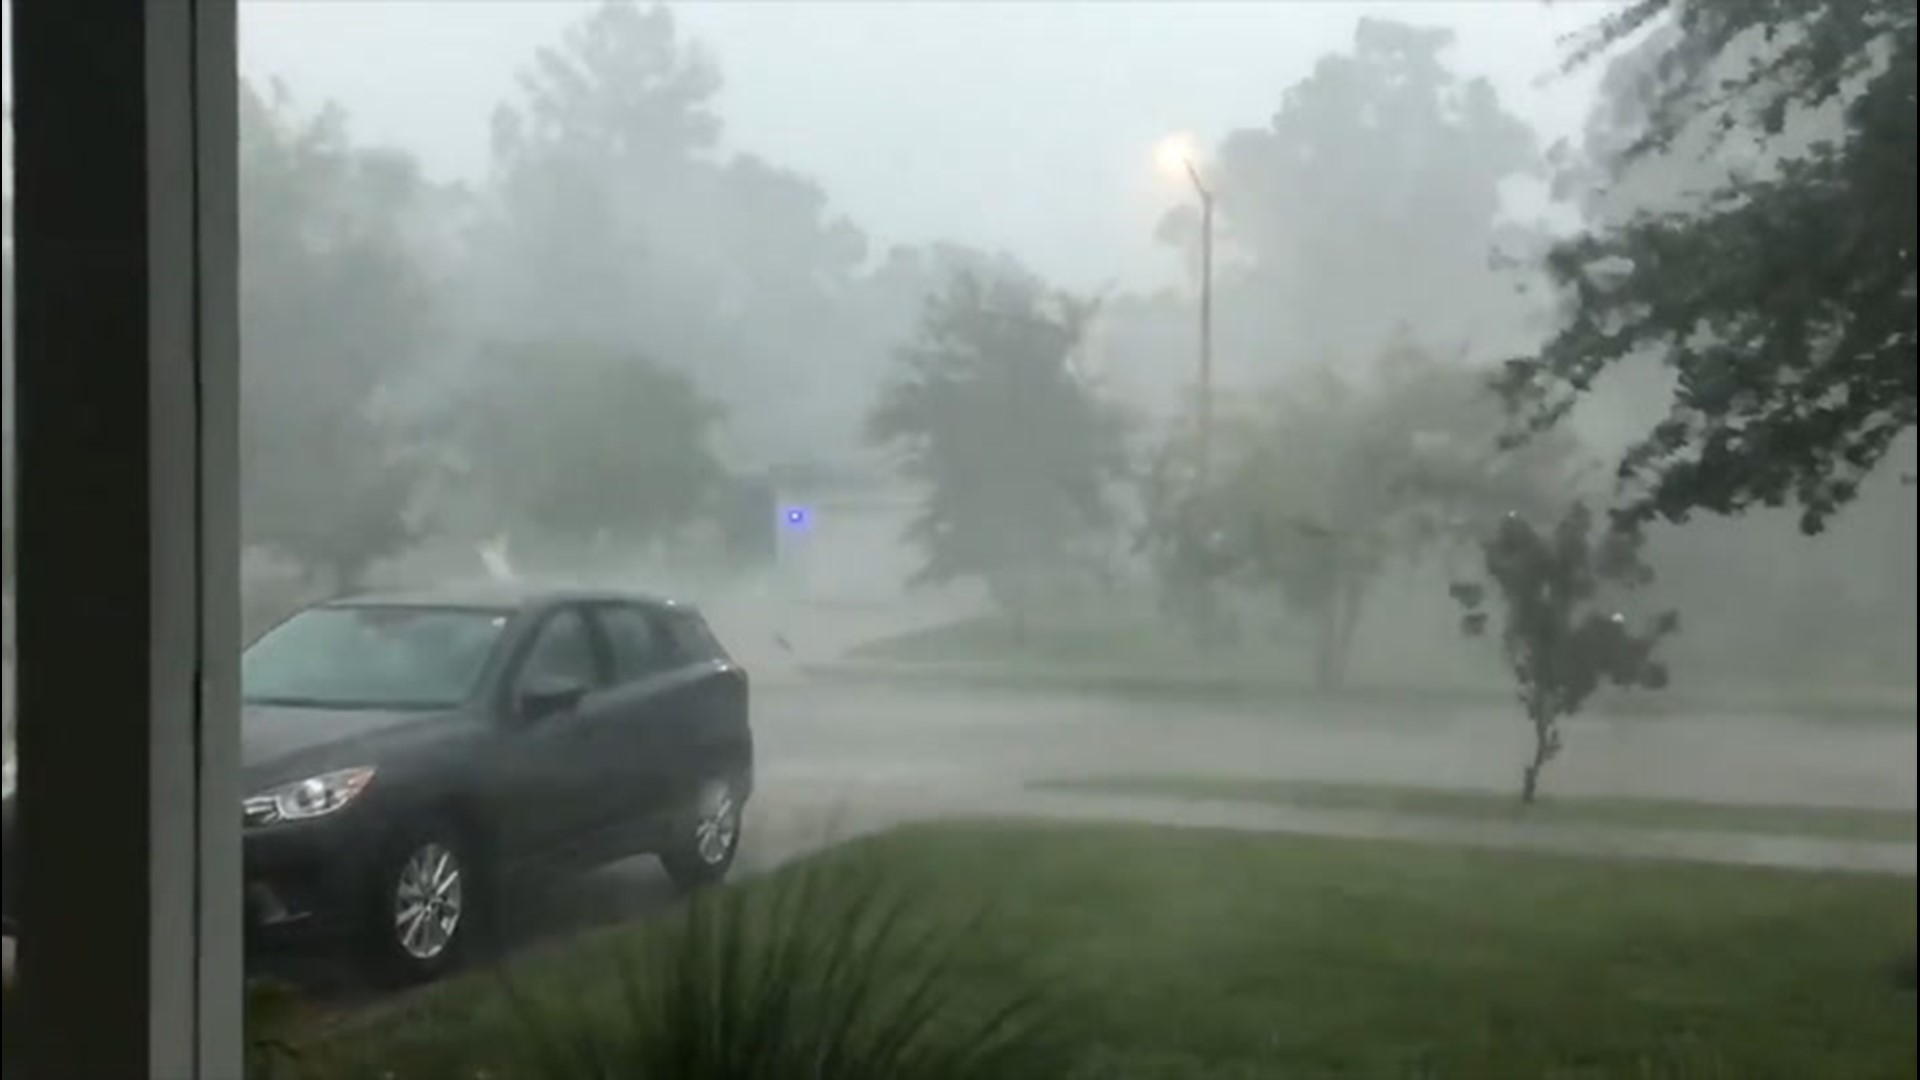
x=425 y=912
x=707 y=838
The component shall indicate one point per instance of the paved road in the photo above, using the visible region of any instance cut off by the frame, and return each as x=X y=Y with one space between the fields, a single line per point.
x=825 y=734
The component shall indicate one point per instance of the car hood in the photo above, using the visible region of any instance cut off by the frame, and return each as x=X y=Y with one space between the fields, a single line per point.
x=282 y=743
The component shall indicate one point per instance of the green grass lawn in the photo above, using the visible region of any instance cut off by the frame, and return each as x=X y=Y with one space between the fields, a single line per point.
x=1186 y=953
x=1817 y=821
x=1130 y=656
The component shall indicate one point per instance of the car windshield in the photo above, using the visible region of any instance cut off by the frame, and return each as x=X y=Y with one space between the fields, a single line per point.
x=372 y=657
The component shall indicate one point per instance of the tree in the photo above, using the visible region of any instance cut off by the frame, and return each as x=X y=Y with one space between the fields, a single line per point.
x=574 y=445
x=1762 y=600
x=591 y=161
x=1334 y=477
x=334 y=314
x=1016 y=451
x=1782 y=300
x=784 y=270
x=1370 y=204
x=1560 y=590
x=1183 y=535
x=893 y=295
x=613 y=219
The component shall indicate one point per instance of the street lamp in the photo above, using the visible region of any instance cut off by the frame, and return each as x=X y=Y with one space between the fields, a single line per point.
x=1175 y=154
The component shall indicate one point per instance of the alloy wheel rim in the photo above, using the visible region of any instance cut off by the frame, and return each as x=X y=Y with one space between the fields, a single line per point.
x=428 y=902
x=717 y=826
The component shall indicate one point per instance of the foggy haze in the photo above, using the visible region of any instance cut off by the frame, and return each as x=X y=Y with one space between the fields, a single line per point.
x=769 y=237
x=1019 y=126
x=1270 y=416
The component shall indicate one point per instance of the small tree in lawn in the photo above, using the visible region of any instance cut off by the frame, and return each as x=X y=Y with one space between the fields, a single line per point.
x=1562 y=629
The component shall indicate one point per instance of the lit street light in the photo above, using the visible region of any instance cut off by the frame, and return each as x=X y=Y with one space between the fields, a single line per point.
x=1175 y=154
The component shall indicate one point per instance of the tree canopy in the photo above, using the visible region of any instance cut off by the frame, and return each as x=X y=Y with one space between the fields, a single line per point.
x=1371 y=203
x=613 y=217
x=570 y=444
x=1332 y=475
x=335 y=313
x=1014 y=447
x=1561 y=589
x=1782 y=299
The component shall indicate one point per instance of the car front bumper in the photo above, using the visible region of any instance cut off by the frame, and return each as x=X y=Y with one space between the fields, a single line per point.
x=309 y=885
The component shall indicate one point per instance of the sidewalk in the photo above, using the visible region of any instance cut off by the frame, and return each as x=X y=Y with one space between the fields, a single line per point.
x=801 y=818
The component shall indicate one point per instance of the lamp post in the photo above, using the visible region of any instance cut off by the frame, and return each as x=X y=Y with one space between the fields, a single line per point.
x=1206 y=318
x=1176 y=155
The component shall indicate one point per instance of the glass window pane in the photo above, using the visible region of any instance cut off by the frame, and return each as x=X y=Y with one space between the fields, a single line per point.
x=562 y=654
x=637 y=651
x=358 y=657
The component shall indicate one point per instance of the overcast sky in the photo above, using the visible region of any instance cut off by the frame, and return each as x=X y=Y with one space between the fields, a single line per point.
x=1020 y=124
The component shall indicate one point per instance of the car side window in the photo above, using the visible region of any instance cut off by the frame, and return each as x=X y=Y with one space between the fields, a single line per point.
x=562 y=652
x=637 y=648
x=692 y=640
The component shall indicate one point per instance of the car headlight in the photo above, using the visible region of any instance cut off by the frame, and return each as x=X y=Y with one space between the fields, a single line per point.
x=316 y=796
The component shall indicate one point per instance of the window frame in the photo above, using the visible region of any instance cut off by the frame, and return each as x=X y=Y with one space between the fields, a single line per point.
x=126 y=183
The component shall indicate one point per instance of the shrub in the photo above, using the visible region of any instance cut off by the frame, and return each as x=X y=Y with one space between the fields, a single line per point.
x=822 y=973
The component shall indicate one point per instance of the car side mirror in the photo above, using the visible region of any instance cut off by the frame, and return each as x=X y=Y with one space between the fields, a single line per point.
x=548 y=698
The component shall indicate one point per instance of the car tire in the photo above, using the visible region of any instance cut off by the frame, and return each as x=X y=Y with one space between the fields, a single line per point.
x=429 y=905
x=706 y=837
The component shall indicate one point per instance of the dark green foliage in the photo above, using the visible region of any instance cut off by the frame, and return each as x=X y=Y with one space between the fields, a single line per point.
x=830 y=972
x=822 y=978
x=568 y=443
x=1016 y=449
x=1560 y=592
x=1784 y=300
